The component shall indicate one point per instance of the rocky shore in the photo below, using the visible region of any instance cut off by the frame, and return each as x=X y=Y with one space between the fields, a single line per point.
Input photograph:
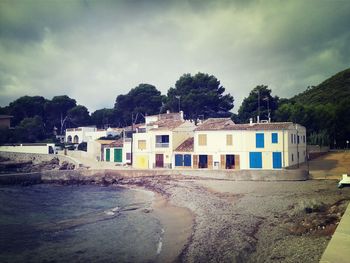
x=239 y=221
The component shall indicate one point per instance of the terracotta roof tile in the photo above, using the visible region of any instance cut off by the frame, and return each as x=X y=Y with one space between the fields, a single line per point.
x=166 y=124
x=186 y=146
x=117 y=143
x=262 y=126
x=213 y=124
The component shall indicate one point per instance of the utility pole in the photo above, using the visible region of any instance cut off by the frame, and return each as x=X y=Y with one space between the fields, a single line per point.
x=179 y=98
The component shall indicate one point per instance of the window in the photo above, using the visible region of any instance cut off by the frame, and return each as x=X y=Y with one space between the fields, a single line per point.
x=274 y=137
x=162 y=141
x=128 y=156
x=202 y=139
x=259 y=140
x=298 y=139
x=304 y=138
x=292 y=157
x=229 y=139
x=141 y=144
x=291 y=138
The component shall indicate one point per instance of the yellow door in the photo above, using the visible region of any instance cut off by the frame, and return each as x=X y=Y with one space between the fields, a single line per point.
x=142 y=162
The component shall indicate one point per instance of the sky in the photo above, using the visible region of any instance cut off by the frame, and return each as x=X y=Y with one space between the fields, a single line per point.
x=93 y=51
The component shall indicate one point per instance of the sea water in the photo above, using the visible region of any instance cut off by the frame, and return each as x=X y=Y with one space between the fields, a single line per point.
x=54 y=223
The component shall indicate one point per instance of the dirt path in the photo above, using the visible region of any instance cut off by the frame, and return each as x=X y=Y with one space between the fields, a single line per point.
x=330 y=166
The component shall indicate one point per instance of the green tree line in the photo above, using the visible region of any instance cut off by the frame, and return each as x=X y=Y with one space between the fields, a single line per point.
x=199 y=96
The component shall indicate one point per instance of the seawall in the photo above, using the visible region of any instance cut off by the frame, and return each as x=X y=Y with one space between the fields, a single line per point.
x=36 y=158
x=107 y=176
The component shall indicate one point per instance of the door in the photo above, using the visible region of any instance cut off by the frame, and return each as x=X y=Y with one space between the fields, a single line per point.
x=255 y=159
x=237 y=162
x=187 y=160
x=108 y=155
x=118 y=155
x=222 y=161
x=276 y=160
x=203 y=161
x=159 y=160
x=141 y=162
x=230 y=161
x=178 y=160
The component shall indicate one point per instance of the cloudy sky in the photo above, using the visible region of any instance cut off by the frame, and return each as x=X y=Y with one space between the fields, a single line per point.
x=96 y=50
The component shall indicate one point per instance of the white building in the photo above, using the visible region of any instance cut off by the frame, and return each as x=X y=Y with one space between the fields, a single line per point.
x=155 y=142
x=86 y=134
x=220 y=144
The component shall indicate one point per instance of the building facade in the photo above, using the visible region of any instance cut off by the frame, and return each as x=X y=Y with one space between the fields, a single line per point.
x=155 y=142
x=218 y=143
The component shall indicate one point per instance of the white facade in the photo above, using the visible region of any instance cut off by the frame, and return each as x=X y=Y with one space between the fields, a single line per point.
x=86 y=134
x=44 y=148
x=118 y=154
x=257 y=147
x=154 y=147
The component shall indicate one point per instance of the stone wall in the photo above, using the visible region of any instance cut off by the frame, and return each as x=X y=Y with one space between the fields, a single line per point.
x=36 y=157
x=110 y=176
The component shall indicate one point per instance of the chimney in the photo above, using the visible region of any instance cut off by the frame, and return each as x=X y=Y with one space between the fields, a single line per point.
x=182 y=115
x=250 y=121
x=168 y=111
x=258 y=119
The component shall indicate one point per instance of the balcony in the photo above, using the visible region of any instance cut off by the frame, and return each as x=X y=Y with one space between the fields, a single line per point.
x=162 y=145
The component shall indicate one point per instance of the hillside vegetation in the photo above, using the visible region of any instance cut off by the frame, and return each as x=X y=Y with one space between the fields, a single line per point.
x=333 y=90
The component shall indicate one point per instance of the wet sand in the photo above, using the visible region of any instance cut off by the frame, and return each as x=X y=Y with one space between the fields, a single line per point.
x=177 y=223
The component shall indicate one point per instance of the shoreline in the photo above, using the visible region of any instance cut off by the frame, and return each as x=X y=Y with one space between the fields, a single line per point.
x=236 y=221
x=177 y=224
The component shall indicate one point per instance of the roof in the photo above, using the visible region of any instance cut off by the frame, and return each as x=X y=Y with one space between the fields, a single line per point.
x=186 y=146
x=105 y=142
x=6 y=116
x=213 y=124
x=166 y=125
x=117 y=143
x=263 y=126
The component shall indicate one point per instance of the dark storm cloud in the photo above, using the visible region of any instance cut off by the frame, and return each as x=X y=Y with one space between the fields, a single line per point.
x=95 y=50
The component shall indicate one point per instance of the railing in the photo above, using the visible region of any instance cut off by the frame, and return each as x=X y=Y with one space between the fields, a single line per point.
x=162 y=145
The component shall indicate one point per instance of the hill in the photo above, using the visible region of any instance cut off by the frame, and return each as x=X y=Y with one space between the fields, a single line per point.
x=333 y=90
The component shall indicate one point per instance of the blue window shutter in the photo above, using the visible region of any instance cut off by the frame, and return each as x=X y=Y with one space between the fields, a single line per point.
x=277 y=160
x=274 y=137
x=178 y=159
x=187 y=160
x=255 y=160
x=259 y=137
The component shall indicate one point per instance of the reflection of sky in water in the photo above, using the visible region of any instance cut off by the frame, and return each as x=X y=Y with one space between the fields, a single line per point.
x=69 y=223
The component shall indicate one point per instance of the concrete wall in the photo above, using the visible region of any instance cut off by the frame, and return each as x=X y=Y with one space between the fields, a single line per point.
x=42 y=148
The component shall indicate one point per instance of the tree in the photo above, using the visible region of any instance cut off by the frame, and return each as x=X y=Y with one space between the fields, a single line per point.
x=197 y=95
x=27 y=107
x=142 y=100
x=57 y=110
x=78 y=116
x=259 y=102
x=30 y=130
x=103 y=117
